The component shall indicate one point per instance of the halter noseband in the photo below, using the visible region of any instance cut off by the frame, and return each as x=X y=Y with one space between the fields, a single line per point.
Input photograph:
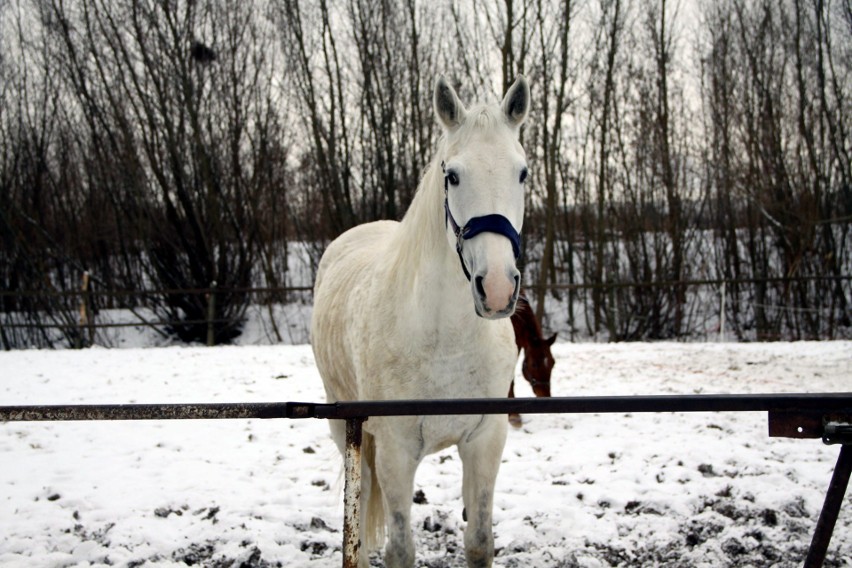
x=493 y=223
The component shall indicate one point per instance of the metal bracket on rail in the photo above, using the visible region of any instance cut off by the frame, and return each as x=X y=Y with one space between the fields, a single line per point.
x=836 y=432
x=835 y=428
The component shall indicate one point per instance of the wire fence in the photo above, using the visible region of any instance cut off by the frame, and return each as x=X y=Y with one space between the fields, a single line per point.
x=74 y=317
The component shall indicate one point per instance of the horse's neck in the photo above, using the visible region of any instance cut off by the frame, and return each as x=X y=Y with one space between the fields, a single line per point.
x=423 y=223
x=526 y=321
x=518 y=325
x=424 y=265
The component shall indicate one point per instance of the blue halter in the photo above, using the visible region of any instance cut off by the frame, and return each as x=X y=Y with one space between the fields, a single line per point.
x=493 y=223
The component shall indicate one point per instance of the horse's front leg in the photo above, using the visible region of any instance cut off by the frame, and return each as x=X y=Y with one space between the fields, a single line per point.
x=481 y=453
x=395 y=467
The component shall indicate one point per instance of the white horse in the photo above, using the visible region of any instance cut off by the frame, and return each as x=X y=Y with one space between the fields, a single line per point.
x=418 y=309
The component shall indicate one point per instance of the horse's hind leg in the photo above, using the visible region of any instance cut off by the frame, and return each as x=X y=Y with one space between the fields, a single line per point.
x=481 y=456
x=395 y=469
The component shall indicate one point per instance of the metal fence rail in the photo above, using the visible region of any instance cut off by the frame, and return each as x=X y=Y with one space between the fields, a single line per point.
x=809 y=403
x=820 y=415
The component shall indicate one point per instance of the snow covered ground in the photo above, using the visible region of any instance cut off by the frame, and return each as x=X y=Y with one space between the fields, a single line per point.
x=573 y=490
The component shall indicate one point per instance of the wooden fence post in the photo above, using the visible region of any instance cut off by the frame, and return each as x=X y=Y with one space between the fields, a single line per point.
x=211 y=315
x=83 y=321
x=722 y=314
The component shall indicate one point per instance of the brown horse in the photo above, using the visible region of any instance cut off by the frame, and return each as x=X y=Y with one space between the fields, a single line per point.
x=538 y=361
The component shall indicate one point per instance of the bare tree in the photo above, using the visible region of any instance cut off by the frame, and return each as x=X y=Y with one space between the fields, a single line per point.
x=35 y=210
x=319 y=94
x=776 y=127
x=721 y=166
x=609 y=41
x=171 y=123
x=171 y=145
x=555 y=83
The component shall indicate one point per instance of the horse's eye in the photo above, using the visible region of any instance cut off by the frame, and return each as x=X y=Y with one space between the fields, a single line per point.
x=523 y=175
x=453 y=178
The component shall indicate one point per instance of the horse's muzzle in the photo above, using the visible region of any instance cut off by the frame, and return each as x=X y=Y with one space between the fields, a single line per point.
x=495 y=297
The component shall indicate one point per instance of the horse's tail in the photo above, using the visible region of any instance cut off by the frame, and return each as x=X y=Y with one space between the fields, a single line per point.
x=373 y=517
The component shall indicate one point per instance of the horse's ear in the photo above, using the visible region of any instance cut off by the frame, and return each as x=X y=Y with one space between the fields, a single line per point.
x=516 y=103
x=448 y=108
x=550 y=340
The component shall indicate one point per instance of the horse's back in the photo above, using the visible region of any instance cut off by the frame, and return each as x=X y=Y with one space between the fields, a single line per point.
x=355 y=248
x=345 y=271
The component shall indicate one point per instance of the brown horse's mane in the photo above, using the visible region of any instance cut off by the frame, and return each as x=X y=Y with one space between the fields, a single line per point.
x=527 y=328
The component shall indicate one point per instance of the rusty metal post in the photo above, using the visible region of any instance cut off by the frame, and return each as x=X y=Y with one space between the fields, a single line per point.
x=352 y=493
x=830 y=509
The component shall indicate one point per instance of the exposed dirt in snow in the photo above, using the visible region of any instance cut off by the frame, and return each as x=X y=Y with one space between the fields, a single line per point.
x=672 y=490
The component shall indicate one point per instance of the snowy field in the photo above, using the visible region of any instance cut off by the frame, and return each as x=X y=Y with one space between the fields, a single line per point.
x=573 y=490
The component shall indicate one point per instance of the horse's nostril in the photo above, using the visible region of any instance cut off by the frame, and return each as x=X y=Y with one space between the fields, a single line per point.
x=479 y=288
x=517 y=285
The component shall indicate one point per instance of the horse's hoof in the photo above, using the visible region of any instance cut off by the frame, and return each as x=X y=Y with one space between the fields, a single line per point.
x=515 y=420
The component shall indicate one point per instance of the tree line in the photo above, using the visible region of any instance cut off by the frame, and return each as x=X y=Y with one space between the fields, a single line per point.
x=173 y=144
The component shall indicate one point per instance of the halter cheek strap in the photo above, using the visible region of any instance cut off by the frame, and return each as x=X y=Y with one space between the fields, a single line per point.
x=493 y=223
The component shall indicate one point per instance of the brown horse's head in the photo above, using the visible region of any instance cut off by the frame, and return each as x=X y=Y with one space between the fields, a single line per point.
x=538 y=361
x=538 y=364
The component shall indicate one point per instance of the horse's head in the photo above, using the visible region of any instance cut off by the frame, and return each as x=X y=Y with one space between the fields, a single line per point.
x=484 y=172
x=538 y=365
